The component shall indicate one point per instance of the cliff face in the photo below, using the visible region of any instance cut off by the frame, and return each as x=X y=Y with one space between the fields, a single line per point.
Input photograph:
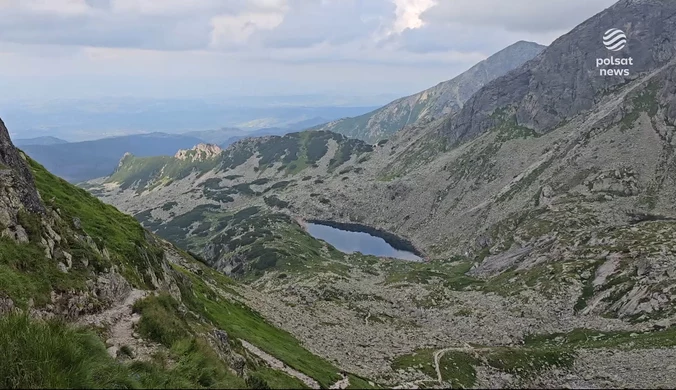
x=564 y=79
x=17 y=189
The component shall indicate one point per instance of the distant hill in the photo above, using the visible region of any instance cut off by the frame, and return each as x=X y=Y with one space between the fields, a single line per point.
x=306 y=124
x=39 y=141
x=258 y=133
x=80 y=161
x=443 y=99
x=227 y=136
x=217 y=136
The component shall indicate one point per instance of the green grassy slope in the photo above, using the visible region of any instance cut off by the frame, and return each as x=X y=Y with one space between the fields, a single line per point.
x=55 y=354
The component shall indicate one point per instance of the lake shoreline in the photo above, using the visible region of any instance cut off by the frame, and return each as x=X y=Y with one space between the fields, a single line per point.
x=392 y=239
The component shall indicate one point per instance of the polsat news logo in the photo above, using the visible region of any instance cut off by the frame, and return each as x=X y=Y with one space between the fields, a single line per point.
x=614 y=40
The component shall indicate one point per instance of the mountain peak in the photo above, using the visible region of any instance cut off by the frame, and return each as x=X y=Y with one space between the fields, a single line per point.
x=522 y=43
x=200 y=152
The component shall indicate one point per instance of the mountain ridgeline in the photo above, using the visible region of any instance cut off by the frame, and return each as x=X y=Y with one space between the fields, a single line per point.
x=43 y=141
x=441 y=100
x=287 y=155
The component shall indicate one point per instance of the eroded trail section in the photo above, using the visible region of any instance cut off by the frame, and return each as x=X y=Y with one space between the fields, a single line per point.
x=341 y=384
x=119 y=320
x=277 y=364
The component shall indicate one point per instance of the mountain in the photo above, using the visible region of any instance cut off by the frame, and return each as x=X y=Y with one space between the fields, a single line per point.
x=216 y=136
x=258 y=133
x=80 y=161
x=307 y=123
x=565 y=80
x=544 y=207
x=443 y=99
x=39 y=141
x=227 y=136
x=89 y=299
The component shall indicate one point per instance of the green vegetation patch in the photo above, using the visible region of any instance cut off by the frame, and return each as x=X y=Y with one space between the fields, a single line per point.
x=273 y=379
x=589 y=338
x=421 y=360
x=264 y=241
x=274 y=201
x=457 y=367
x=26 y=274
x=527 y=362
x=507 y=127
x=357 y=382
x=53 y=355
x=145 y=173
x=160 y=321
x=121 y=234
x=346 y=149
x=450 y=274
x=646 y=101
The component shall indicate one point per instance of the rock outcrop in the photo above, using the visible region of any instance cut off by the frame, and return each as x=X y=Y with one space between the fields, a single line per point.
x=17 y=180
x=200 y=152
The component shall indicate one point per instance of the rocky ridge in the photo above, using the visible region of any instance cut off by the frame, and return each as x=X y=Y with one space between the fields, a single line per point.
x=200 y=152
x=441 y=100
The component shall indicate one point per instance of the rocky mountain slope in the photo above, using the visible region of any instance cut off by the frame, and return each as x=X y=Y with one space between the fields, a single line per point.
x=443 y=99
x=565 y=80
x=545 y=205
x=90 y=299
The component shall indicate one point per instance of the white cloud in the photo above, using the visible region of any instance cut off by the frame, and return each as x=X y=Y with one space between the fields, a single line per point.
x=55 y=7
x=337 y=44
x=408 y=14
x=162 y=7
x=228 y=30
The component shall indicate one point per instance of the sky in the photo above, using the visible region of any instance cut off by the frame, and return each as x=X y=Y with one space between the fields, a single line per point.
x=53 y=49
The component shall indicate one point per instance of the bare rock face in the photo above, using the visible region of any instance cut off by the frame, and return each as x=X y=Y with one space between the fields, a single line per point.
x=564 y=79
x=6 y=306
x=17 y=175
x=221 y=341
x=200 y=152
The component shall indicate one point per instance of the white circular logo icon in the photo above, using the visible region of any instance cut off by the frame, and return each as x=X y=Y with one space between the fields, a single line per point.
x=615 y=39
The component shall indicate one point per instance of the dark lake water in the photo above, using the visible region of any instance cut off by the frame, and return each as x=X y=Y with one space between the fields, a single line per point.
x=350 y=242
